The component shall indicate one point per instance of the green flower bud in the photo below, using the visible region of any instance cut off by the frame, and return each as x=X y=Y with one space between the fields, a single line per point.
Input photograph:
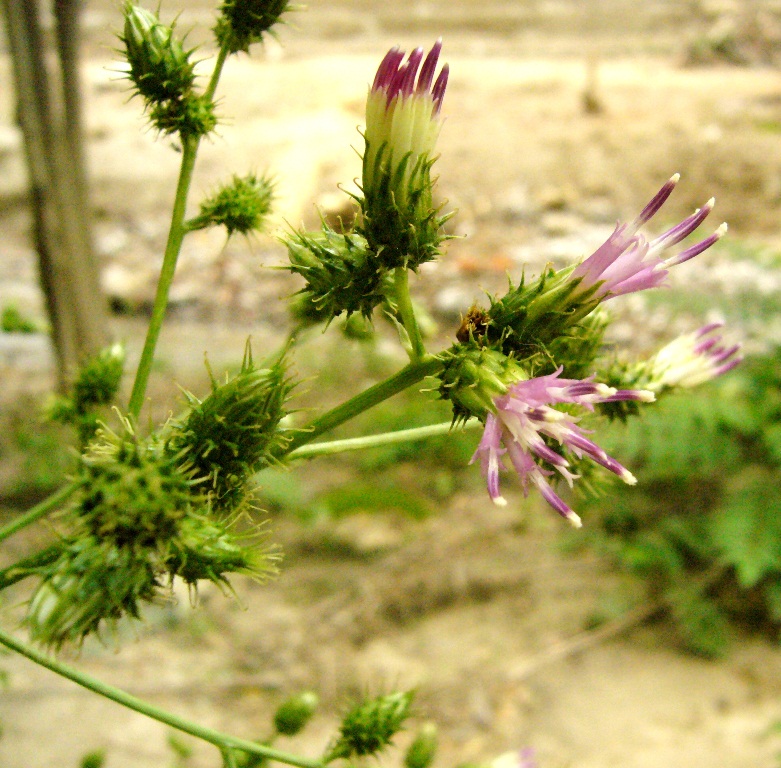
x=99 y=378
x=369 y=726
x=293 y=714
x=341 y=273
x=207 y=549
x=244 y=22
x=240 y=206
x=92 y=583
x=421 y=752
x=160 y=68
x=474 y=376
x=226 y=438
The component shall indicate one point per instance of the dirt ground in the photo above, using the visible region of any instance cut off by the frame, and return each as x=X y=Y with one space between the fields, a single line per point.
x=477 y=607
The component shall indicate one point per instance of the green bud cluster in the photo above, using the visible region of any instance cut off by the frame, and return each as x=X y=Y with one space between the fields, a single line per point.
x=163 y=74
x=240 y=206
x=402 y=230
x=341 y=273
x=227 y=437
x=474 y=376
x=140 y=519
x=244 y=22
x=96 y=385
x=369 y=726
x=294 y=713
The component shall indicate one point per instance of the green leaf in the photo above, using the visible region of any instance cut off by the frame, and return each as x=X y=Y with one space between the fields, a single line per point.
x=747 y=529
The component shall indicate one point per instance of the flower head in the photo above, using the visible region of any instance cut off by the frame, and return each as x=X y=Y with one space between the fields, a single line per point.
x=402 y=125
x=628 y=262
x=691 y=359
x=524 y=424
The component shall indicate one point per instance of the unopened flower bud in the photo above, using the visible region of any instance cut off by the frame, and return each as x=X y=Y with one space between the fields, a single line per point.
x=423 y=749
x=240 y=206
x=341 y=273
x=293 y=714
x=399 y=218
x=473 y=377
x=369 y=726
x=160 y=68
x=227 y=437
x=244 y=22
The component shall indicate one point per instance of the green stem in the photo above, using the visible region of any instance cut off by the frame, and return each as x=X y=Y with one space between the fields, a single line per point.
x=222 y=741
x=176 y=233
x=26 y=567
x=406 y=377
x=374 y=441
x=407 y=312
x=38 y=511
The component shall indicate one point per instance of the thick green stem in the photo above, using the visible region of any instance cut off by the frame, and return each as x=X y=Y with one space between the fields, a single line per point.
x=374 y=441
x=38 y=511
x=417 y=350
x=173 y=246
x=223 y=741
x=406 y=377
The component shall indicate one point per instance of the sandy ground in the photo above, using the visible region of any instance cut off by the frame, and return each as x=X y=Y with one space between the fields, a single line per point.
x=466 y=606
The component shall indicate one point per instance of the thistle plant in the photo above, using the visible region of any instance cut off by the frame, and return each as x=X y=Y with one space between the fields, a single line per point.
x=149 y=504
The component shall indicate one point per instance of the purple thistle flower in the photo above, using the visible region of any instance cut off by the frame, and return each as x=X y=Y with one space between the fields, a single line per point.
x=524 y=418
x=628 y=262
x=692 y=359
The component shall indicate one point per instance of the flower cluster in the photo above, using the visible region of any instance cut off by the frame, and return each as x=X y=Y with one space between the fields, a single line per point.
x=552 y=327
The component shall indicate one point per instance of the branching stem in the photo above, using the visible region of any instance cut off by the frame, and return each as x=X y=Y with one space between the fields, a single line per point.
x=223 y=741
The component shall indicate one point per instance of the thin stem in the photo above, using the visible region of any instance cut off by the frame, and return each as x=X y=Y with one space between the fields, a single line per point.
x=417 y=350
x=222 y=741
x=26 y=567
x=374 y=441
x=173 y=246
x=38 y=511
x=406 y=377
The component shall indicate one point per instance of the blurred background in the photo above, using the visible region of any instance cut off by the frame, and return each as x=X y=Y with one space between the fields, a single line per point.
x=649 y=640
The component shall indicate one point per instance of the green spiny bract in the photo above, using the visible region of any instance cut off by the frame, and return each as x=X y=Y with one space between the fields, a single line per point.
x=240 y=206
x=90 y=584
x=341 y=273
x=402 y=228
x=474 y=376
x=208 y=549
x=369 y=726
x=134 y=494
x=164 y=76
x=244 y=22
x=226 y=438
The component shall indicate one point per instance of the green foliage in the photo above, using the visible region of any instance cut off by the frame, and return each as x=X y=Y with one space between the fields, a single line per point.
x=703 y=526
x=94 y=759
x=13 y=321
x=294 y=713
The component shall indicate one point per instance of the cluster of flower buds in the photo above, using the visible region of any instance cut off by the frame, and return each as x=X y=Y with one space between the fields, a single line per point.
x=400 y=225
x=163 y=74
x=149 y=510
